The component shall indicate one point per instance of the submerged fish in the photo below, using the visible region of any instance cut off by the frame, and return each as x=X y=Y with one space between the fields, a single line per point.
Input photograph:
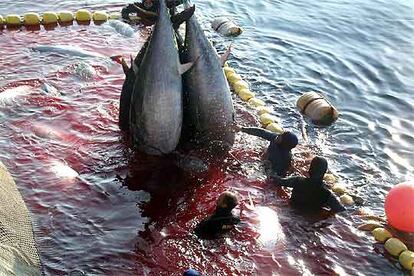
x=9 y=95
x=67 y=50
x=122 y=28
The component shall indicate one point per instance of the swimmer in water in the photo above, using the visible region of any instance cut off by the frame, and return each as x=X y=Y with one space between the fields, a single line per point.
x=222 y=220
x=279 y=150
x=310 y=193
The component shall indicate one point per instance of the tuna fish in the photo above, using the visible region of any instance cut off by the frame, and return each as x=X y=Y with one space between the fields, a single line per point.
x=208 y=107
x=156 y=110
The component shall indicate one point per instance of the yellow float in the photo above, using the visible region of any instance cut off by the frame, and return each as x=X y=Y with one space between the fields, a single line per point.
x=406 y=259
x=83 y=15
x=275 y=127
x=246 y=94
x=100 y=16
x=1 y=20
x=267 y=118
x=234 y=77
x=65 y=16
x=395 y=247
x=339 y=189
x=346 y=200
x=31 y=18
x=50 y=18
x=228 y=71
x=263 y=109
x=381 y=234
x=369 y=226
x=330 y=178
x=255 y=102
x=239 y=85
x=13 y=20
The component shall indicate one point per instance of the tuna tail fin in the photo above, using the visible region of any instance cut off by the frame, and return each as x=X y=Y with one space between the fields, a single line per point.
x=149 y=15
x=225 y=56
x=181 y=17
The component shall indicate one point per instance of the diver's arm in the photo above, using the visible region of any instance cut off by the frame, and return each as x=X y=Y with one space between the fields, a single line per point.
x=259 y=132
x=334 y=204
x=291 y=182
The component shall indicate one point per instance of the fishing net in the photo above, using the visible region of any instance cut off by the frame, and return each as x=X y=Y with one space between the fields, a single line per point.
x=18 y=252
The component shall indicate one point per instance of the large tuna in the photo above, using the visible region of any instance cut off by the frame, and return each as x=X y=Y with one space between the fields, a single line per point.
x=156 y=110
x=208 y=107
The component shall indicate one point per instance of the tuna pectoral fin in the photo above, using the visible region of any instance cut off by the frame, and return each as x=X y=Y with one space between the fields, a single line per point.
x=185 y=67
x=125 y=66
x=181 y=17
x=152 y=16
x=225 y=56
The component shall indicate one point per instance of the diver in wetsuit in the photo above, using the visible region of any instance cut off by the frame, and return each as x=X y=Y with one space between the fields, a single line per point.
x=279 y=151
x=222 y=219
x=149 y=6
x=310 y=193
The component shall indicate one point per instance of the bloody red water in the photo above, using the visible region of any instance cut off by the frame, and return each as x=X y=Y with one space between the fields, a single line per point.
x=100 y=208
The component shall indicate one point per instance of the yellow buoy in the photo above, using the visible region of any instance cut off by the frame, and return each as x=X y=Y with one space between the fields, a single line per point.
x=407 y=259
x=13 y=19
x=1 y=20
x=31 y=18
x=232 y=78
x=50 y=17
x=369 y=226
x=266 y=119
x=339 y=189
x=239 y=85
x=263 y=109
x=228 y=71
x=330 y=178
x=65 y=16
x=83 y=15
x=346 y=200
x=381 y=234
x=255 y=102
x=394 y=246
x=100 y=16
x=275 y=127
x=246 y=94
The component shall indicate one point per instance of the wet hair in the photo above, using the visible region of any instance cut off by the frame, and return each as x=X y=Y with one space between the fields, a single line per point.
x=227 y=200
x=288 y=140
x=318 y=167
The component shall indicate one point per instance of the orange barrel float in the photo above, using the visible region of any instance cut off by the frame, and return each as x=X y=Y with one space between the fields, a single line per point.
x=317 y=108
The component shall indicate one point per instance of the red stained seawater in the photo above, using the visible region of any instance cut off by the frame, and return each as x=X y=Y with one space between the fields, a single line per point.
x=99 y=208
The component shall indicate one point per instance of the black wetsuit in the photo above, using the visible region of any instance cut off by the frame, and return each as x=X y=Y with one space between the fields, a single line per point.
x=279 y=157
x=309 y=194
x=220 y=222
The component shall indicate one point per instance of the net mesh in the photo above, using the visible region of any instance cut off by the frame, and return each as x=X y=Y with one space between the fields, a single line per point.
x=18 y=252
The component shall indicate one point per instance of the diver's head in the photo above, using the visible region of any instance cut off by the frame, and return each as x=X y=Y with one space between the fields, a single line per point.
x=287 y=140
x=191 y=272
x=227 y=200
x=318 y=167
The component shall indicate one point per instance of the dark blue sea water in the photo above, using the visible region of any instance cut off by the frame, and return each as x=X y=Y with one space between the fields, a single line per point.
x=359 y=54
